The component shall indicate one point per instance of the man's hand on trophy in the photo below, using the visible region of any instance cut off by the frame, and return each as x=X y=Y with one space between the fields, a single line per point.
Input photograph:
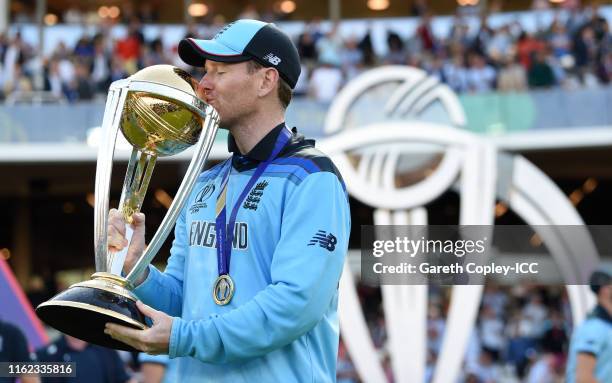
x=117 y=239
x=155 y=340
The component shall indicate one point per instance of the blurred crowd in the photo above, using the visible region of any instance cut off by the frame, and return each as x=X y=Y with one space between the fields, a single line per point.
x=575 y=50
x=522 y=335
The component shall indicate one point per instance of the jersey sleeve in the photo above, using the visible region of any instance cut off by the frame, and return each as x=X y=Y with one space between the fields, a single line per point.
x=305 y=272
x=164 y=291
x=590 y=340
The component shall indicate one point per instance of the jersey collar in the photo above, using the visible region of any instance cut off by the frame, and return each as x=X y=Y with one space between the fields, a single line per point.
x=602 y=314
x=262 y=150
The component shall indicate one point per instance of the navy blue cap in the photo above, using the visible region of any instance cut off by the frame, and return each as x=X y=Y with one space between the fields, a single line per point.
x=245 y=40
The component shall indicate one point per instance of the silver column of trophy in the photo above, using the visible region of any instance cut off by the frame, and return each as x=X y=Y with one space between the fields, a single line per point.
x=159 y=113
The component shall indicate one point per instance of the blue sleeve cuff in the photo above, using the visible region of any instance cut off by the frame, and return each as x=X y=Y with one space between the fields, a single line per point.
x=174 y=337
x=147 y=290
x=196 y=338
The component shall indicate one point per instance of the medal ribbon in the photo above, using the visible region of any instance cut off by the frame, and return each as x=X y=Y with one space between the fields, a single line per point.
x=225 y=233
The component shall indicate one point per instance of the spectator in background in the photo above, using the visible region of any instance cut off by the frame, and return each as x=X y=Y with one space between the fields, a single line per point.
x=585 y=51
x=554 y=339
x=435 y=328
x=425 y=34
x=542 y=370
x=84 y=49
x=512 y=76
x=329 y=47
x=458 y=34
x=155 y=54
x=100 y=72
x=492 y=333
x=526 y=47
x=605 y=69
x=435 y=68
x=520 y=341
x=559 y=40
x=455 y=74
x=14 y=348
x=118 y=71
x=314 y=28
x=4 y=44
x=598 y=23
x=367 y=49
x=14 y=57
x=396 y=54
x=500 y=45
x=306 y=46
x=541 y=74
x=95 y=364
x=128 y=49
x=53 y=80
x=352 y=58
x=82 y=83
x=536 y=312
x=486 y=371
x=495 y=298
x=379 y=332
x=482 y=38
x=346 y=372
x=430 y=365
x=576 y=19
x=480 y=77
x=19 y=82
x=325 y=81
x=65 y=66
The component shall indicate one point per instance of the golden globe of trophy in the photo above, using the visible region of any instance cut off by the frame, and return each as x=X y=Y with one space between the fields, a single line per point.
x=159 y=114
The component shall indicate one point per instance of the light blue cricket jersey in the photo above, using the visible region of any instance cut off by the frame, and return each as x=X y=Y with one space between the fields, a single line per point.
x=290 y=240
x=593 y=336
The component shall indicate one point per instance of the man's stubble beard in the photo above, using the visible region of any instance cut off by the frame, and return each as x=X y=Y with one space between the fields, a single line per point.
x=228 y=123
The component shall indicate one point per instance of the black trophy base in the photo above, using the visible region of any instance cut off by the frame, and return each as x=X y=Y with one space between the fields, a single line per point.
x=83 y=310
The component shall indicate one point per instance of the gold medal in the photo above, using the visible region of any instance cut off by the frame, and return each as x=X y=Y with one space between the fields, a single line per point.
x=223 y=290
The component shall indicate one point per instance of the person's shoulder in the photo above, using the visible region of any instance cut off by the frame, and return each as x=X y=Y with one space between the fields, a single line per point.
x=307 y=159
x=52 y=352
x=211 y=172
x=9 y=329
x=12 y=332
x=593 y=326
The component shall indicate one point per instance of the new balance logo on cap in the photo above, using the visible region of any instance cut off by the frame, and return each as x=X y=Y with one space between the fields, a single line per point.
x=272 y=59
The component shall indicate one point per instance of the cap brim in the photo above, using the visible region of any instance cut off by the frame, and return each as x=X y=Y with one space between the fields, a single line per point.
x=195 y=52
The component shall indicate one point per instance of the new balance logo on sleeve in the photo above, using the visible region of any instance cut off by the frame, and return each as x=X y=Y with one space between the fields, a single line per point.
x=272 y=59
x=326 y=241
